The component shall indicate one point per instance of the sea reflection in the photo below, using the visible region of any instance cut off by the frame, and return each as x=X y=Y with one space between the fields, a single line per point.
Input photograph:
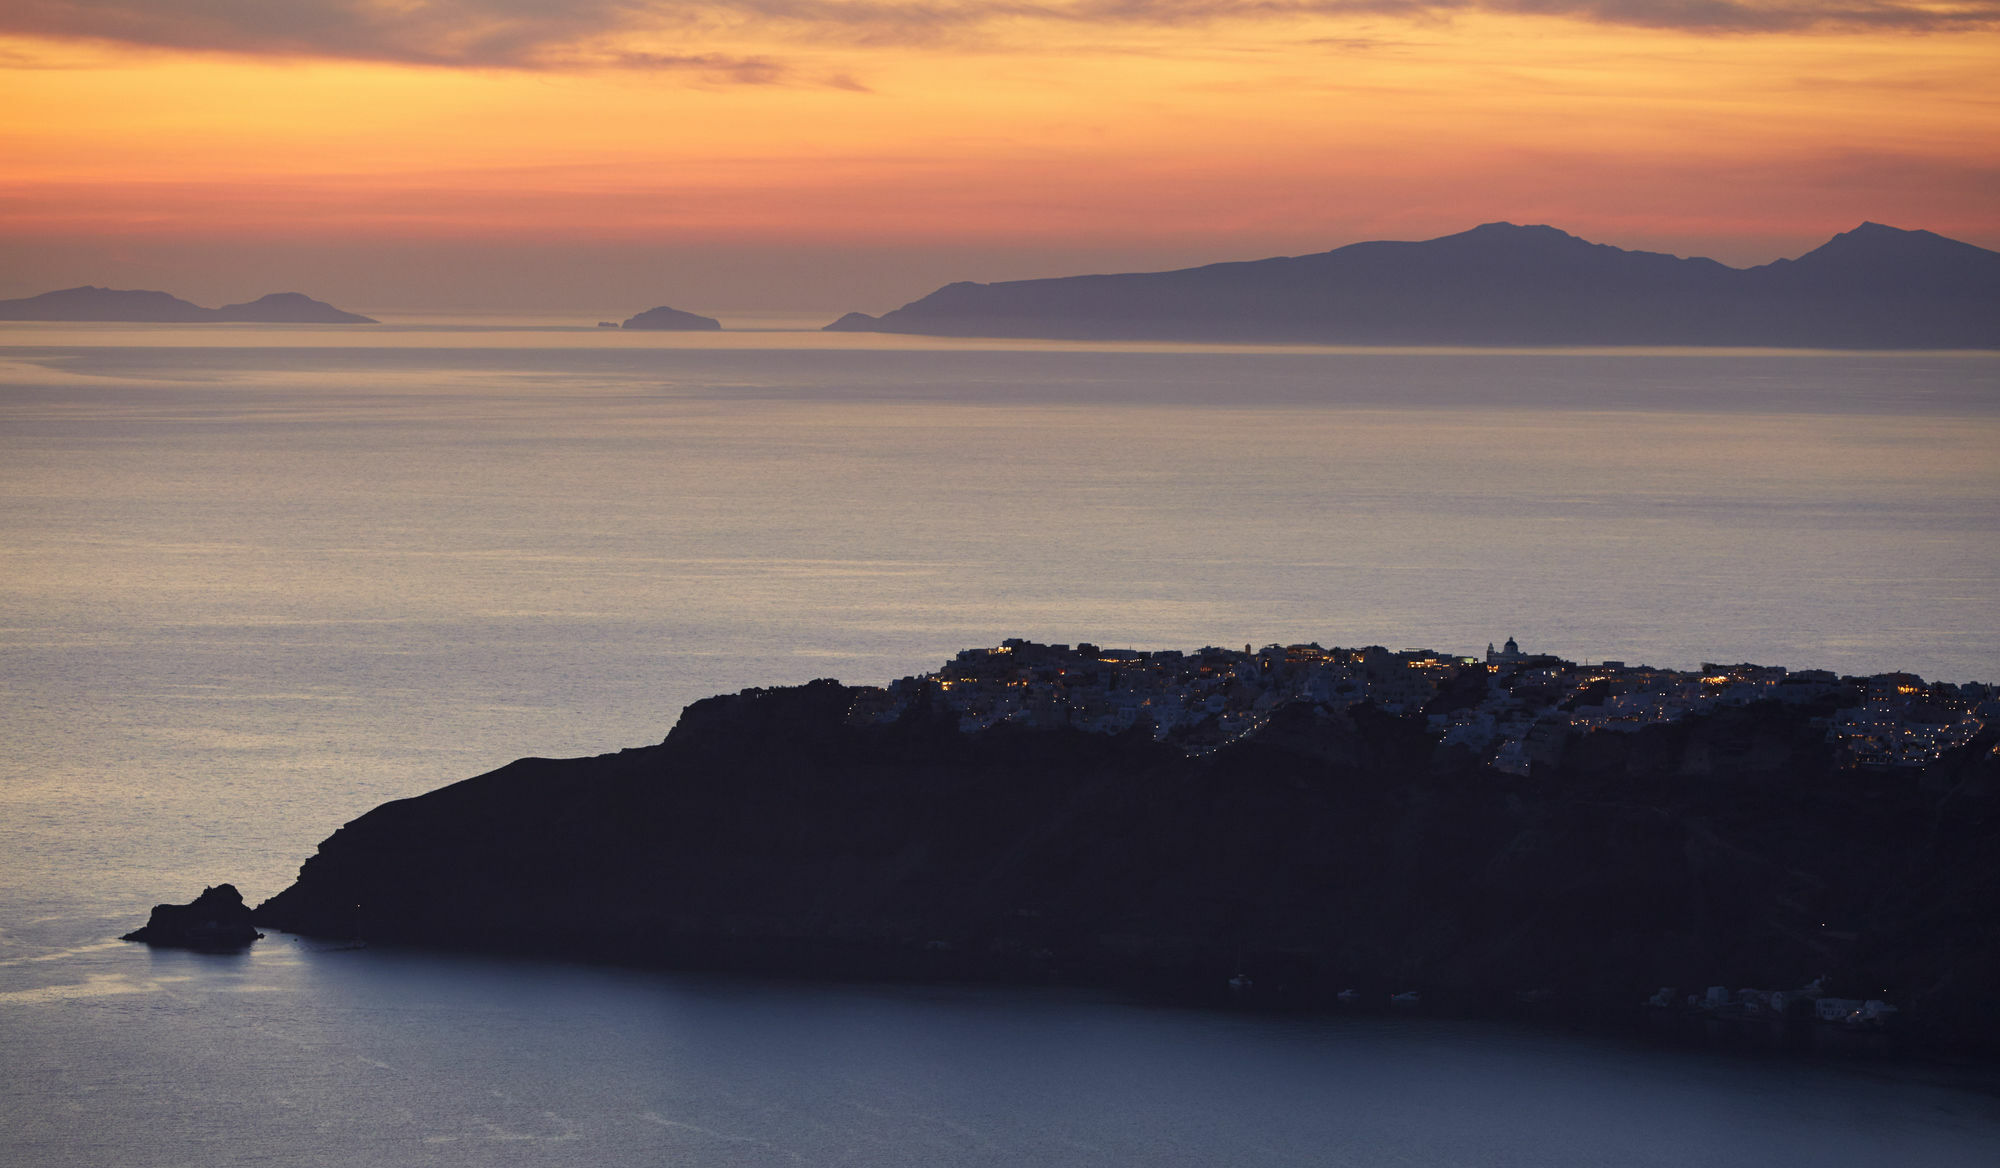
x=255 y=581
x=299 y=1054
x=250 y=592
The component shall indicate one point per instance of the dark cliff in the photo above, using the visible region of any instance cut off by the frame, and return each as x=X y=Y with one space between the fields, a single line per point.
x=1329 y=850
x=1875 y=287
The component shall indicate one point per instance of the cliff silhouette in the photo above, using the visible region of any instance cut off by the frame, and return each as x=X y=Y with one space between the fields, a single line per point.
x=772 y=832
x=90 y=303
x=1874 y=287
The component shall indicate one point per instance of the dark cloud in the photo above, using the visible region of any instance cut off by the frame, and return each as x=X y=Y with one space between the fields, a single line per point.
x=741 y=70
x=1703 y=16
x=513 y=34
x=543 y=34
x=1725 y=16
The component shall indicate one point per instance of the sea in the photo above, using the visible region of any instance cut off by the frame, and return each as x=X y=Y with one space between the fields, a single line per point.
x=255 y=580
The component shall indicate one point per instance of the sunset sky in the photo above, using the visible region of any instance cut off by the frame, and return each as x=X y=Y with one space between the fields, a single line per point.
x=805 y=155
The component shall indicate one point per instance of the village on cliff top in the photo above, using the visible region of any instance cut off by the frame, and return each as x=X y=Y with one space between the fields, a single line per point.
x=1514 y=709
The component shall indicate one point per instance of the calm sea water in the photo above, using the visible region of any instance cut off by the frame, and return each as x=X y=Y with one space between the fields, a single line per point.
x=255 y=581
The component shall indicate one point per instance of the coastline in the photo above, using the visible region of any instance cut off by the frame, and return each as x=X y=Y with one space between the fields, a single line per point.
x=1326 y=851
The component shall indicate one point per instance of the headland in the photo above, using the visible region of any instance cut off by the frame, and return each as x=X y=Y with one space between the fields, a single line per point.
x=1309 y=825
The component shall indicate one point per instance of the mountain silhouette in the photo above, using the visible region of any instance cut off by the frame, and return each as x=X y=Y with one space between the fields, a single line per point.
x=1503 y=284
x=672 y=318
x=90 y=303
x=288 y=308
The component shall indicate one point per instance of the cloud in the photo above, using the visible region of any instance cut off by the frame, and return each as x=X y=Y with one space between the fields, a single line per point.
x=1752 y=16
x=507 y=34
x=560 y=34
x=741 y=70
x=1701 y=16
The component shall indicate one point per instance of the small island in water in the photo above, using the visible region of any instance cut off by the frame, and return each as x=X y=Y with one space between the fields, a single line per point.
x=1294 y=826
x=665 y=319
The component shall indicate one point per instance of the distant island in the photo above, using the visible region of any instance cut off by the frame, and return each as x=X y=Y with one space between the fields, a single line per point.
x=1292 y=826
x=1499 y=284
x=90 y=303
x=673 y=319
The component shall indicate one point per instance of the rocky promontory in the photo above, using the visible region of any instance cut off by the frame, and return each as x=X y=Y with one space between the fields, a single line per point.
x=1334 y=845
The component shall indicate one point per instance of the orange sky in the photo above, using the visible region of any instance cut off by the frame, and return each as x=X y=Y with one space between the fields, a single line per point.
x=843 y=154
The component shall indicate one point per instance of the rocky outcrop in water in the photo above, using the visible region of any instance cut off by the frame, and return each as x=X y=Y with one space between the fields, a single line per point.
x=1331 y=849
x=215 y=921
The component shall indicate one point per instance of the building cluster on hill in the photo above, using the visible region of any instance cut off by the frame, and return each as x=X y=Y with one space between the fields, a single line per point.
x=1514 y=709
x=1759 y=1005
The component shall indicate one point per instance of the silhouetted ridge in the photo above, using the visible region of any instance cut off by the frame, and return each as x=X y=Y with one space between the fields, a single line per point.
x=1503 y=284
x=288 y=308
x=91 y=303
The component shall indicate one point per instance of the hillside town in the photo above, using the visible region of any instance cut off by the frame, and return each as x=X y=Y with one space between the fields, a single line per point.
x=1513 y=708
